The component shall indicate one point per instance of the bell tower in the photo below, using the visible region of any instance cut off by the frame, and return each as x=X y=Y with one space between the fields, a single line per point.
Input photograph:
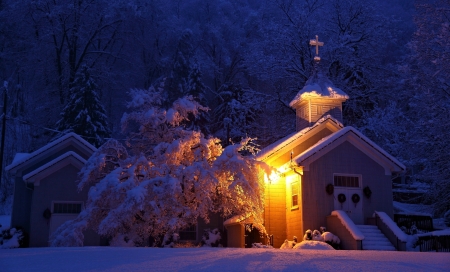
x=318 y=98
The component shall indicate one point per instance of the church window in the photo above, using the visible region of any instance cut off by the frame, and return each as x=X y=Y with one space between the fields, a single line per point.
x=294 y=194
x=67 y=207
x=345 y=180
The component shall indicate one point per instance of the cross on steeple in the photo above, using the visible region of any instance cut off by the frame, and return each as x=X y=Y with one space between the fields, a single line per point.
x=316 y=43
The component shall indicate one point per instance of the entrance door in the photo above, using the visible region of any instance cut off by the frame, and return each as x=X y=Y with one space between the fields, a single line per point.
x=349 y=186
x=63 y=212
x=353 y=210
x=253 y=236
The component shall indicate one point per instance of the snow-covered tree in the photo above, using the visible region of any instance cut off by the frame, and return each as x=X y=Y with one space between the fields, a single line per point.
x=84 y=113
x=169 y=178
x=235 y=114
x=428 y=72
x=197 y=89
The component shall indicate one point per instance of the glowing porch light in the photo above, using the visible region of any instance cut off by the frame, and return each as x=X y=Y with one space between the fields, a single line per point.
x=274 y=177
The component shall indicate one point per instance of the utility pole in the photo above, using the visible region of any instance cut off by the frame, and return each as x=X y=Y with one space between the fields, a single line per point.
x=2 y=147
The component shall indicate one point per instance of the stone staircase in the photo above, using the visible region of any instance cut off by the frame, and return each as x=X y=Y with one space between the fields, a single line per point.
x=374 y=239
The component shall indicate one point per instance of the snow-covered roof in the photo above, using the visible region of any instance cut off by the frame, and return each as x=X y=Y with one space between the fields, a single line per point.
x=238 y=219
x=271 y=149
x=329 y=140
x=69 y=136
x=19 y=157
x=318 y=85
x=68 y=155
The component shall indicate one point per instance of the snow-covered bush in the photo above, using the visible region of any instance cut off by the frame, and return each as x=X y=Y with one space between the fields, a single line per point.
x=211 y=238
x=331 y=239
x=447 y=218
x=165 y=178
x=170 y=239
x=260 y=245
x=287 y=244
x=322 y=236
x=308 y=235
x=317 y=236
x=315 y=245
x=11 y=238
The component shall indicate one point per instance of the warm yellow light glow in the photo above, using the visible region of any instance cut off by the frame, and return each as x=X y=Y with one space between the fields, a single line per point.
x=274 y=177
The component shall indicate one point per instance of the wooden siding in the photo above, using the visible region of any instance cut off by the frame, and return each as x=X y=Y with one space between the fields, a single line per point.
x=20 y=216
x=302 y=117
x=275 y=210
x=59 y=186
x=309 y=111
x=345 y=158
x=235 y=235
x=335 y=226
x=293 y=215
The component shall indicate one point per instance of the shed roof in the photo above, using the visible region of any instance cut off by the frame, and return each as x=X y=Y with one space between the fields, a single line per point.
x=22 y=161
x=48 y=168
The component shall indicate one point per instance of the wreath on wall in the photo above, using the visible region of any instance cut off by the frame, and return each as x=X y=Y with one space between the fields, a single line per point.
x=355 y=198
x=367 y=192
x=330 y=189
x=47 y=214
x=342 y=198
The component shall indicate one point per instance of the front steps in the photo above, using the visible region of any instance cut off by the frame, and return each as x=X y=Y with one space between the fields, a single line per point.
x=374 y=239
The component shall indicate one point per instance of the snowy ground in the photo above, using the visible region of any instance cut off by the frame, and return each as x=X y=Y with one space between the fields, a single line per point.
x=216 y=259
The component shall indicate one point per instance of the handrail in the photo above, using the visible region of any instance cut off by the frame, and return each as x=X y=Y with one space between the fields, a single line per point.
x=390 y=229
x=349 y=225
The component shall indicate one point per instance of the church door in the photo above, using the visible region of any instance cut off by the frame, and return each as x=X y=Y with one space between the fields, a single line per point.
x=348 y=197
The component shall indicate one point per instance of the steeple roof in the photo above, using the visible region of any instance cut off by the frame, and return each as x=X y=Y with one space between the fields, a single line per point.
x=318 y=85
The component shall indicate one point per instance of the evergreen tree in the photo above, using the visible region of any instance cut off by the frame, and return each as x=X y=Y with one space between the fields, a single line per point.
x=236 y=113
x=197 y=89
x=84 y=114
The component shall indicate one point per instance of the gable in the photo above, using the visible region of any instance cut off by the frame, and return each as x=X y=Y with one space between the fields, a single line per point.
x=69 y=158
x=51 y=151
x=280 y=152
x=361 y=142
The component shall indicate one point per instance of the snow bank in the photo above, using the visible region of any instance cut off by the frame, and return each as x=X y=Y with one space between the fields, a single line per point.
x=217 y=259
x=444 y=232
x=313 y=245
x=348 y=223
x=393 y=226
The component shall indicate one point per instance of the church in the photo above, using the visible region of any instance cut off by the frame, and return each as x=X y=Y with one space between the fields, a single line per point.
x=322 y=167
x=327 y=175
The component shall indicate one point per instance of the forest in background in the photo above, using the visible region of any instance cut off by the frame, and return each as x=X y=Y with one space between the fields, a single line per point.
x=245 y=60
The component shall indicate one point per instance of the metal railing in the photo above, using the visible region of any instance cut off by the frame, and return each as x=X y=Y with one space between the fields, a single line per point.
x=411 y=223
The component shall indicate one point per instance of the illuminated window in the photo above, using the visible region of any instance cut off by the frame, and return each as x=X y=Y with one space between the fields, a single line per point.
x=67 y=207
x=189 y=233
x=346 y=180
x=294 y=193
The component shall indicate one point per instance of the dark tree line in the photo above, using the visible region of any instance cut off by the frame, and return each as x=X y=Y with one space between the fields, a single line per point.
x=244 y=60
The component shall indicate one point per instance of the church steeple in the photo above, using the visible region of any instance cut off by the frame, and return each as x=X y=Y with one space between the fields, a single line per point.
x=319 y=97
